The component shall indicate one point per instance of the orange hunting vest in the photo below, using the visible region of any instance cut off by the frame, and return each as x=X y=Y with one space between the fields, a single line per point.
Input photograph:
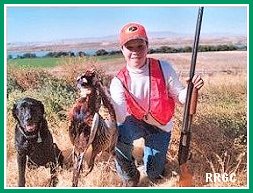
x=161 y=105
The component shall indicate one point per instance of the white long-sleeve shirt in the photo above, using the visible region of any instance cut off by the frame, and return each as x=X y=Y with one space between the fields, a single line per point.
x=140 y=88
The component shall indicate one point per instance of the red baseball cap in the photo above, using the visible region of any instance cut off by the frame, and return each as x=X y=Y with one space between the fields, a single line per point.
x=132 y=31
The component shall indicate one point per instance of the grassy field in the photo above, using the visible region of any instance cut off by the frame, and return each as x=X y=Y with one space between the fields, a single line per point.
x=34 y=62
x=219 y=132
x=51 y=62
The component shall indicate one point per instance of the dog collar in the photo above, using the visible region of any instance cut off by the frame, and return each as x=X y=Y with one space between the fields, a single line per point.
x=39 y=140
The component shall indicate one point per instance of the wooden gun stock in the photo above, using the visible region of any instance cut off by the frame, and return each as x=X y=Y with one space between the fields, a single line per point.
x=194 y=101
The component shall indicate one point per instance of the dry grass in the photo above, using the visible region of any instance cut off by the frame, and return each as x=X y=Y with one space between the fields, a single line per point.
x=208 y=63
x=224 y=73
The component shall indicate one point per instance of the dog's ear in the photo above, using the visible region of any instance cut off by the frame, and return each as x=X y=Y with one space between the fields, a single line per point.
x=91 y=76
x=90 y=73
x=95 y=78
x=41 y=106
x=14 y=111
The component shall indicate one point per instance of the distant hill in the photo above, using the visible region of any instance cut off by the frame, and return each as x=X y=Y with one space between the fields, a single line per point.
x=157 y=39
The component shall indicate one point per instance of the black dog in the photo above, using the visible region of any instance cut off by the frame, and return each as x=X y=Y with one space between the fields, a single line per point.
x=33 y=140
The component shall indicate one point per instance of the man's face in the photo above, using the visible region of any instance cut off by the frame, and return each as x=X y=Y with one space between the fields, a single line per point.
x=135 y=52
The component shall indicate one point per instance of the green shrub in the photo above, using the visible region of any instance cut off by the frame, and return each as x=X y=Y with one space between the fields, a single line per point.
x=12 y=85
x=225 y=107
x=56 y=94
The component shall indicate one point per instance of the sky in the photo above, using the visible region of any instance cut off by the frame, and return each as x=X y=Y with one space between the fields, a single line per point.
x=29 y=24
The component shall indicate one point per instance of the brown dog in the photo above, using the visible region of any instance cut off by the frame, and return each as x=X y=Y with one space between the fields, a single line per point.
x=88 y=128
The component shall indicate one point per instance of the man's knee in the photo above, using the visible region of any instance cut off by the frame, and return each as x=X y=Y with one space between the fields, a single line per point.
x=155 y=172
x=155 y=168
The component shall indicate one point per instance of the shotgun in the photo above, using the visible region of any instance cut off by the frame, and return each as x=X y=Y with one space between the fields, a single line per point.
x=189 y=110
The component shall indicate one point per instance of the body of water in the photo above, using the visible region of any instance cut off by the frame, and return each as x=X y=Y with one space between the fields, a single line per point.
x=15 y=54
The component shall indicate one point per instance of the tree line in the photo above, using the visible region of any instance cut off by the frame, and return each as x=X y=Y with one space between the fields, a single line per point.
x=162 y=49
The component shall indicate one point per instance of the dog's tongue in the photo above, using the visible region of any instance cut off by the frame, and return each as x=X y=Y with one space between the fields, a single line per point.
x=31 y=127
